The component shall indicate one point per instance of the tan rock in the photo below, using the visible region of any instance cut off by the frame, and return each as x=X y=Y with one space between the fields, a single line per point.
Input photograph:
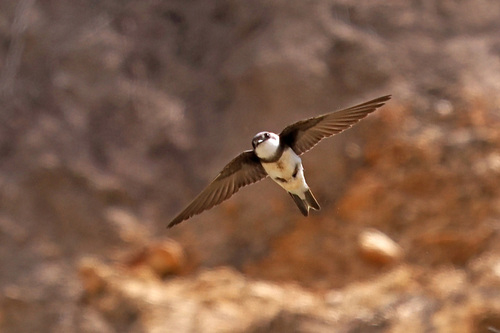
x=376 y=247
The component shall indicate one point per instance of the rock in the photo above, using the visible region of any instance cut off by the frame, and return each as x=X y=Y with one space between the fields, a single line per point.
x=93 y=276
x=158 y=259
x=224 y=300
x=376 y=247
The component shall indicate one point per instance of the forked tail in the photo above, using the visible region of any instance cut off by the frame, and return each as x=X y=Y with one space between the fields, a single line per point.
x=311 y=200
x=307 y=203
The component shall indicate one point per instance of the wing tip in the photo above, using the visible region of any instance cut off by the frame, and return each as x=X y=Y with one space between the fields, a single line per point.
x=381 y=99
x=178 y=219
x=386 y=97
x=173 y=223
x=377 y=102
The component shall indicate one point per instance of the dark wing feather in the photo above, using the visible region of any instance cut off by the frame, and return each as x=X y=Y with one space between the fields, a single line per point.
x=305 y=134
x=243 y=170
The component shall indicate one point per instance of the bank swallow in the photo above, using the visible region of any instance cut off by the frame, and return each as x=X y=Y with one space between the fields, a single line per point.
x=277 y=156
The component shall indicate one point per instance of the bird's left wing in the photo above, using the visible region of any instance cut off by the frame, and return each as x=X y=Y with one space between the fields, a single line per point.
x=243 y=170
x=305 y=134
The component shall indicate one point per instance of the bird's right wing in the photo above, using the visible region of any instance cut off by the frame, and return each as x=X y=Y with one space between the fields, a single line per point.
x=243 y=170
x=305 y=134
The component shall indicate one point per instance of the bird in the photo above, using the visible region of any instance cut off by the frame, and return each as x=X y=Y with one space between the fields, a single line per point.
x=278 y=156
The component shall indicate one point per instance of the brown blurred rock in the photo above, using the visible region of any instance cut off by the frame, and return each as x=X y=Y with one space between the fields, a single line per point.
x=93 y=276
x=159 y=259
x=376 y=247
x=223 y=300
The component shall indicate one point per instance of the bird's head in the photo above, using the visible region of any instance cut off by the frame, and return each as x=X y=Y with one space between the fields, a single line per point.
x=265 y=144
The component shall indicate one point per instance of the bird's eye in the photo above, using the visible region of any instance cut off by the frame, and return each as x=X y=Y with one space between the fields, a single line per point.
x=267 y=135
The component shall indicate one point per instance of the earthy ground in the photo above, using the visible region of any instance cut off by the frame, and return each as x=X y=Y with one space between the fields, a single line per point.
x=115 y=114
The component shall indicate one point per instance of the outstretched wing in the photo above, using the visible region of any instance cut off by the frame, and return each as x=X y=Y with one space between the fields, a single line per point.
x=305 y=134
x=243 y=170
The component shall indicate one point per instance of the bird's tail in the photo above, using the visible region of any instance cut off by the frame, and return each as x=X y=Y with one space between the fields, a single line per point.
x=305 y=204
x=311 y=200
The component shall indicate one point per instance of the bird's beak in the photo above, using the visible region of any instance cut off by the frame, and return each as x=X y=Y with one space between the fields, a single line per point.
x=257 y=141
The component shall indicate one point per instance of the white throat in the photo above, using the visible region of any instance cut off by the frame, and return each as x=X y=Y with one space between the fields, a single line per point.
x=268 y=148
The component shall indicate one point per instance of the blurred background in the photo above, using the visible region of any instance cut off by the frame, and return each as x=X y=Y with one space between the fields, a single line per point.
x=115 y=114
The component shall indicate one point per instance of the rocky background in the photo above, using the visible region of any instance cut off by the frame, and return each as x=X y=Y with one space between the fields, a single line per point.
x=115 y=114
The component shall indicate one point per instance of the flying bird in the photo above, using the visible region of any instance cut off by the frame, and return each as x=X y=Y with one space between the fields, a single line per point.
x=277 y=156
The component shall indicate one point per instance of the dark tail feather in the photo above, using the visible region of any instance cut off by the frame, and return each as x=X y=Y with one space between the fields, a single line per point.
x=304 y=209
x=311 y=200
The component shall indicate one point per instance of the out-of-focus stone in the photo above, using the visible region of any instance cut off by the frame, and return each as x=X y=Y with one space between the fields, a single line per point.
x=378 y=248
x=159 y=259
x=93 y=276
x=166 y=258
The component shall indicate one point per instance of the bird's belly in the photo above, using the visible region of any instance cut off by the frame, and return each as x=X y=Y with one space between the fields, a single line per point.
x=287 y=172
